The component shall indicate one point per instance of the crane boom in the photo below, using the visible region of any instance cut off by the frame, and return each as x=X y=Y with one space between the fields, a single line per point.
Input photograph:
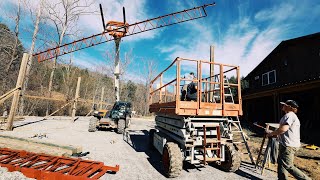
x=135 y=28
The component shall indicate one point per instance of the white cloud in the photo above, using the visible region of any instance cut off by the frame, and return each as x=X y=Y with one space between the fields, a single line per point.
x=244 y=42
x=135 y=12
x=84 y=60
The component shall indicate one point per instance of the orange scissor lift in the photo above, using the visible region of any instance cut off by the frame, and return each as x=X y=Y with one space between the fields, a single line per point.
x=199 y=131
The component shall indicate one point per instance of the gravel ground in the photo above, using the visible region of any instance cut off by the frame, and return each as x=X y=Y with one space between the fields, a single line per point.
x=136 y=160
x=5 y=175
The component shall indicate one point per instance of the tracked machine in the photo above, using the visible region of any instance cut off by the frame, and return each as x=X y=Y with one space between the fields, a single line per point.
x=198 y=131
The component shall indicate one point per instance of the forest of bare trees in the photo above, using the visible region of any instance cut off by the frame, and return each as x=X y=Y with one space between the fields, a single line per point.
x=55 y=80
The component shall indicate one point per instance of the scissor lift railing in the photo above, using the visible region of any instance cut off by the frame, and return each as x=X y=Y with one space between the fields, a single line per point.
x=211 y=91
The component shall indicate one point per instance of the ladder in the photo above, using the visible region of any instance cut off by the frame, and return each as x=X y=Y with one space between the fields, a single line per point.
x=236 y=123
x=228 y=98
x=211 y=144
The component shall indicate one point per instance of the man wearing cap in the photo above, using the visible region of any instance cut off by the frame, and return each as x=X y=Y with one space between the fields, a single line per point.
x=289 y=139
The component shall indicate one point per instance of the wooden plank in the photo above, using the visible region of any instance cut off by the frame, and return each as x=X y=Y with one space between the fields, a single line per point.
x=44 y=98
x=8 y=95
x=18 y=143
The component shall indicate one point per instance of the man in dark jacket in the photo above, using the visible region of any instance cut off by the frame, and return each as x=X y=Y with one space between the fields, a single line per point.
x=192 y=92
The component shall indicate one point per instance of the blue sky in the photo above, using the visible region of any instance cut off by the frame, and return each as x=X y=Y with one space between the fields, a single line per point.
x=243 y=32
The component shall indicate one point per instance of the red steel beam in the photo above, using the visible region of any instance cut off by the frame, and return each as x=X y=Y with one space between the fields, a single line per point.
x=42 y=166
x=139 y=27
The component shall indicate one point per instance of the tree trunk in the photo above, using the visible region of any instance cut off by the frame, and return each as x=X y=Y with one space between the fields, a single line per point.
x=29 y=64
x=54 y=68
x=16 y=31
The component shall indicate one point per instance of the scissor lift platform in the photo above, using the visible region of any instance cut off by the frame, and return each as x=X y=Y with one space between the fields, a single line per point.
x=215 y=94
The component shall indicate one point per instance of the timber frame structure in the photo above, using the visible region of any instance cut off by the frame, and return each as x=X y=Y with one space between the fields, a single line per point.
x=211 y=92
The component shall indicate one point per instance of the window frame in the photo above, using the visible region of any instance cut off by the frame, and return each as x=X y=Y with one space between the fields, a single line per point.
x=268 y=77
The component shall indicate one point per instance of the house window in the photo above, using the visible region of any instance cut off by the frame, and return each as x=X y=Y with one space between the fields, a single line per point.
x=269 y=78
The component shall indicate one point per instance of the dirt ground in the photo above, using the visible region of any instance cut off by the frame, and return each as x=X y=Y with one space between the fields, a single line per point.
x=305 y=159
x=132 y=153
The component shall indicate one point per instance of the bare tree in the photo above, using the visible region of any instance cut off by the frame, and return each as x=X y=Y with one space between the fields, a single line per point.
x=124 y=62
x=148 y=73
x=10 y=50
x=64 y=15
x=14 y=55
x=29 y=64
x=109 y=68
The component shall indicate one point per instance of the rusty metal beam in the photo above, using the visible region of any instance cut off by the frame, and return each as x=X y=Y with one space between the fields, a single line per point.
x=135 y=28
x=42 y=166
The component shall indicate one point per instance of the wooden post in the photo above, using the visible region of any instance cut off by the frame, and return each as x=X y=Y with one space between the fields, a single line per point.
x=178 y=86
x=160 y=90
x=16 y=95
x=101 y=97
x=211 y=88
x=74 y=108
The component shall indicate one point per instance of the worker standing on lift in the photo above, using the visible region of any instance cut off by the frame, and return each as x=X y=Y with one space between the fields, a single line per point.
x=188 y=79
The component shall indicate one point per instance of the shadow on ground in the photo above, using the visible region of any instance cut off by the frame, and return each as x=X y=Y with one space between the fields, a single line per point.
x=140 y=142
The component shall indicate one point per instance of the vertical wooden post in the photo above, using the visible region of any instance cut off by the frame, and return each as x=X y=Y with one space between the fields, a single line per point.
x=222 y=88
x=178 y=86
x=16 y=95
x=239 y=91
x=150 y=95
x=74 y=109
x=101 y=97
x=165 y=94
x=94 y=99
x=160 y=90
x=211 y=88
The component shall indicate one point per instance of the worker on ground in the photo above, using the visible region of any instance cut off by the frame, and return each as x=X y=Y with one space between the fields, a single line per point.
x=188 y=79
x=289 y=141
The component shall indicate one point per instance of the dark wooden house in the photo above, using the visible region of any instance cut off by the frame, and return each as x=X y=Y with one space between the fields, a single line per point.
x=290 y=71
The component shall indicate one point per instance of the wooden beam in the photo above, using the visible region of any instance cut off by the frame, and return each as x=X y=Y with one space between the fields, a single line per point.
x=44 y=98
x=74 y=108
x=58 y=109
x=101 y=97
x=7 y=95
x=16 y=95
x=36 y=146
